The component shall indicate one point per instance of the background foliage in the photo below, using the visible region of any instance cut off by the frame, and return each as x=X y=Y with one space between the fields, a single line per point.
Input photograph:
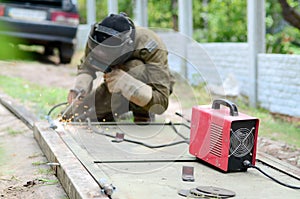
x=215 y=20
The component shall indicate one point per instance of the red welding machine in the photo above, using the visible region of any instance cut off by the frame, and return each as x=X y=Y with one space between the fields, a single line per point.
x=223 y=137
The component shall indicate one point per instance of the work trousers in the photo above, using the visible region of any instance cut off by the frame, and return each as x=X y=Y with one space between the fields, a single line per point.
x=111 y=106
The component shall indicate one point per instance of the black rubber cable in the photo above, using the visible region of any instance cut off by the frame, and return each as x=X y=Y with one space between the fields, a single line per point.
x=57 y=105
x=180 y=115
x=138 y=142
x=249 y=165
x=186 y=140
x=176 y=131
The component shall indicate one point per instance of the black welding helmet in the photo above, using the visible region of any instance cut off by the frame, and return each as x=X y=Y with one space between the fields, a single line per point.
x=111 y=42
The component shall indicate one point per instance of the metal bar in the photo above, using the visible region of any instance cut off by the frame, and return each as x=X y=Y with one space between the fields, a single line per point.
x=128 y=123
x=143 y=161
x=83 y=156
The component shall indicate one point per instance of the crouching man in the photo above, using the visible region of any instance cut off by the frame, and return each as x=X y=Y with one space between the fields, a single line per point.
x=136 y=74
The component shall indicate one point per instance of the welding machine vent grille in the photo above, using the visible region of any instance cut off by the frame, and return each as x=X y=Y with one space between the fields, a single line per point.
x=241 y=142
x=216 y=140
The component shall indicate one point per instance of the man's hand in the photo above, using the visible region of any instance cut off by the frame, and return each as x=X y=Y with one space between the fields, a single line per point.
x=131 y=88
x=75 y=96
x=114 y=79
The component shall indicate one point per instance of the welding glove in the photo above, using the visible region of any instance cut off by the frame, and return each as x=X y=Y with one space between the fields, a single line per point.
x=118 y=81
x=83 y=86
x=77 y=95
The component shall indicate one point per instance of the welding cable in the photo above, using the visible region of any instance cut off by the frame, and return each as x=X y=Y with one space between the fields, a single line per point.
x=55 y=106
x=48 y=116
x=134 y=141
x=176 y=131
x=181 y=115
x=249 y=165
x=79 y=93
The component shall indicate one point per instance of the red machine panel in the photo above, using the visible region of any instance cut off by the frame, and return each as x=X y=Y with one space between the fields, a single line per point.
x=223 y=137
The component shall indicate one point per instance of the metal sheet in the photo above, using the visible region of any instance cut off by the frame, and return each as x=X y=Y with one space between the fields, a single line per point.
x=140 y=172
x=103 y=149
x=161 y=180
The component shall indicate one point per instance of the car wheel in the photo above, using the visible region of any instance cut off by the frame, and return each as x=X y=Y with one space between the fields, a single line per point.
x=48 y=50
x=65 y=60
x=65 y=53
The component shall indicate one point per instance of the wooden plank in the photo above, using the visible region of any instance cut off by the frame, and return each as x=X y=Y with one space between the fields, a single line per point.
x=84 y=157
x=76 y=180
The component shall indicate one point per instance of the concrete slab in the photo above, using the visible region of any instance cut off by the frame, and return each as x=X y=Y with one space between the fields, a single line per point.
x=136 y=173
x=84 y=157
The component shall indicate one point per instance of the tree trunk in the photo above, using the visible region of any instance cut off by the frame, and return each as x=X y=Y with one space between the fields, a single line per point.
x=174 y=9
x=289 y=14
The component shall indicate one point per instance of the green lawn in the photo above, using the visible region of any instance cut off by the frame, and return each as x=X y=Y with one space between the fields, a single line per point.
x=38 y=98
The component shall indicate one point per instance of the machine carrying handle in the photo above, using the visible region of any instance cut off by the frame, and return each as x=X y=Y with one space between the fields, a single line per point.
x=233 y=108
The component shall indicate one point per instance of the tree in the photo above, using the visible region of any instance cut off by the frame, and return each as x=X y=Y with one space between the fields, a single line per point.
x=290 y=14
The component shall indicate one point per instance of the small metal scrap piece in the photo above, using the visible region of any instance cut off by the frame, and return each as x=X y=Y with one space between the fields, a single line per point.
x=119 y=137
x=184 y=192
x=188 y=173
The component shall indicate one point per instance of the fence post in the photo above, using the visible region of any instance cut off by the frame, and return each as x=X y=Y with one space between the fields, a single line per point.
x=256 y=43
x=141 y=12
x=113 y=6
x=185 y=12
x=91 y=11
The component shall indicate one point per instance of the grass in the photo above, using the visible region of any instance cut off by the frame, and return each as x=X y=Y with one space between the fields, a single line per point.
x=274 y=128
x=38 y=163
x=43 y=171
x=38 y=98
x=48 y=181
x=13 y=132
x=270 y=127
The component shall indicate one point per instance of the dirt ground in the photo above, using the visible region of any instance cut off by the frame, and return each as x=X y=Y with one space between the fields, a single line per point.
x=23 y=169
x=22 y=172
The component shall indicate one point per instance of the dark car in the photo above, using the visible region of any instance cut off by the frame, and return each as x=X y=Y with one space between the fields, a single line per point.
x=50 y=23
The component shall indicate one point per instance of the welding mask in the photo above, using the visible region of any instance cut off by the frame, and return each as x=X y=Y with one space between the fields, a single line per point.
x=110 y=42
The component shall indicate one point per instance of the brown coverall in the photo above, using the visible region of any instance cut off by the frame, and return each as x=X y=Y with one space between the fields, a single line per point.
x=148 y=63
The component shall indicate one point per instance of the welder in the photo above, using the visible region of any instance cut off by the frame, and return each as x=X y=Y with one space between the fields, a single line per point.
x=135 y=71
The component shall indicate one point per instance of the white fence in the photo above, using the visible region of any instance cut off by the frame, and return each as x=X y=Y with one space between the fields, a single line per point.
x=278 y=78
x=279 y=83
